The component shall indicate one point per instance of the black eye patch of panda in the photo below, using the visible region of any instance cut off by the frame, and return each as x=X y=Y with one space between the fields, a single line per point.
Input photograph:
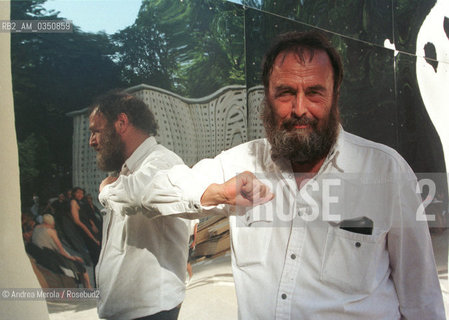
x=431 y=55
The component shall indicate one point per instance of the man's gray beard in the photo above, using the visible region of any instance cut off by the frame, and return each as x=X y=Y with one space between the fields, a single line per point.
x=111 y=157
x=296 y=145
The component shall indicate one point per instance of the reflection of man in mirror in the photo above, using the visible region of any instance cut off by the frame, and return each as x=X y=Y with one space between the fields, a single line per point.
x=372 y=260
x=142 y=265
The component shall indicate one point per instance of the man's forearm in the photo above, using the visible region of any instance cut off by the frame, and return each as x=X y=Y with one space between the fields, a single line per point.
x=242 y=190
x=213 y=195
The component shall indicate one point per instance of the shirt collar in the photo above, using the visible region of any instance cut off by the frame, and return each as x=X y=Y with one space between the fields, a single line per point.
x=132 y=163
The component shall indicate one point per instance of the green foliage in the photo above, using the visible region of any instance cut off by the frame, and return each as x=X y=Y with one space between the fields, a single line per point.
x=190 y=47
x=28 y=159
x=35 y=165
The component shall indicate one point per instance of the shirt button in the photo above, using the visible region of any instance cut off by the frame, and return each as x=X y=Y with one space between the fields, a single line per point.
x=358 y=244
x=284 y=296
x=293 y=256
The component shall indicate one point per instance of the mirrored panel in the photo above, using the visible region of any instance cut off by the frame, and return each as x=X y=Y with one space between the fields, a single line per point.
x=369 y=21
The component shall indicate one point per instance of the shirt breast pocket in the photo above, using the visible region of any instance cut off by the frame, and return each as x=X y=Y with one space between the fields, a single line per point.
x=250 y=239
x=351 y=260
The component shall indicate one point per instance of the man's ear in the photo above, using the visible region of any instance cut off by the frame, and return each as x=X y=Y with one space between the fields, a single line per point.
x=122 y=123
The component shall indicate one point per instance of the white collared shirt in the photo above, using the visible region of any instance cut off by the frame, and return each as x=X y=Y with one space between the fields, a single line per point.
x=291 y=259
x=142 y=265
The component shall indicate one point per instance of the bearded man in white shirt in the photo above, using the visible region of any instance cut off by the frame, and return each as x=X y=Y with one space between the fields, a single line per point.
x=142 y=265
x=342 y=237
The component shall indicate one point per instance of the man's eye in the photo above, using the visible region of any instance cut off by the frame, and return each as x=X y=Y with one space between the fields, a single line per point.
x=315 y=91
x=284 y=93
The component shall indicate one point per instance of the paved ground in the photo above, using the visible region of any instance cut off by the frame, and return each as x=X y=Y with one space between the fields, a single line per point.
x=210 y=293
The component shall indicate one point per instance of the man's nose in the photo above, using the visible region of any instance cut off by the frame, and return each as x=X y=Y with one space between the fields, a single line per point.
x=92 y=140
x=299 y=107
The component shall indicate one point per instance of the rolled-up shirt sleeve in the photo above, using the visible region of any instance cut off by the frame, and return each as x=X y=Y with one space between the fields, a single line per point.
x=173 y=191
x=178 y=191
x=128 y=188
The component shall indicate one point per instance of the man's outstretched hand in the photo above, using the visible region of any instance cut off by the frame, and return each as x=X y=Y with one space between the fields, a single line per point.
x=242 y=190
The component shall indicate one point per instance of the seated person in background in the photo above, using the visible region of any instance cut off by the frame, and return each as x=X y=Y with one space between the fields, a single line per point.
x=45 y=237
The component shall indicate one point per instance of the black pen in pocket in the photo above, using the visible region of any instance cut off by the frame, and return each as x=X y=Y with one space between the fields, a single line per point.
x=362 y=225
